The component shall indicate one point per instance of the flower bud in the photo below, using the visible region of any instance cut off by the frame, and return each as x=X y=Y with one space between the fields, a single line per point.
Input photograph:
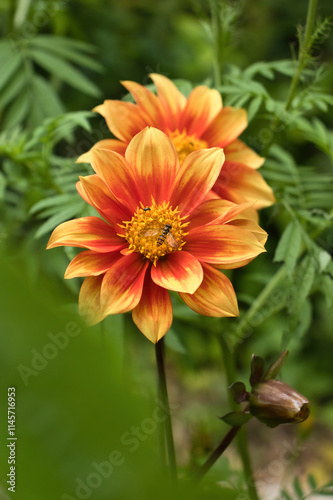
x=273 y=403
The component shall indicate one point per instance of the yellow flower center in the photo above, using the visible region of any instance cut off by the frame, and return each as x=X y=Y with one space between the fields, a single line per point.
x=185 y=144
x=155 y=231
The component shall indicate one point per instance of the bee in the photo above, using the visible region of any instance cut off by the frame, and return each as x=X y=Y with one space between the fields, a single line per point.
x=146 y=209
x=165 y=235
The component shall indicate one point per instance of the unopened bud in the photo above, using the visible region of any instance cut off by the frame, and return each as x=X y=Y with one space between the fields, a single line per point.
x=274 y=403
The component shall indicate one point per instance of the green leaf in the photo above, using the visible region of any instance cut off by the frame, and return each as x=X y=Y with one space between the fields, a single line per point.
x=257 y=369
x=64 y=71
x=239 y=392
x=289 y=245
x=61 y=216
x=13 y=88
x=275 y=367
x=236 y=418
x=9 y=68
x=297 y=487
x=253 y=108
x=18 y=110
x=65 y=50
x=54 y=201
x=172 y=342
x=46 y=97
x=312 y=481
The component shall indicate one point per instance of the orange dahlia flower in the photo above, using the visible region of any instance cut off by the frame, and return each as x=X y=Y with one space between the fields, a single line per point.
x=159 y=233
x=198 y=122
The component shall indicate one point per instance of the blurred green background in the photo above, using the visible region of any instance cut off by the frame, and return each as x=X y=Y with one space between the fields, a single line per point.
x=74 y=408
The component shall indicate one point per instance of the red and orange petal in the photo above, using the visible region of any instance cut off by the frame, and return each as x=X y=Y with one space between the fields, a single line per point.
x=202 y=105
x=239 y=152
x=88 y=232
x=89 y=263
x=224 y=246
x=153 y=314
x=172 y=100
x=154 y=162
x=122 y=285
x=226 y=127
x=214 y=297
x=195 y=178
x=179 y=272
x=89 y=300
x=240 y=183
x=110 y=144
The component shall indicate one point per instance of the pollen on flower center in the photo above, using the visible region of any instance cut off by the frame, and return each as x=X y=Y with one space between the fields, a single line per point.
x=155 y=231
x=185 y=144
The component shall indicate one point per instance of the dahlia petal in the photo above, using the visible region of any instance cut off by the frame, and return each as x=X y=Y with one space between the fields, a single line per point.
x=223 y=245
x=226 y=127
x=154 y=161
x=179 y=272
x=149 y=104
x=240 y=183
x=118 y=175
x=153 y=314
x=214 y=297
x=111 y=144
x=124 y=119
x=252 y=227
x=195 y=178
x=88 y=232
x=202 y=106
x=89 y=263
x=172 y=100
x=95 y=192
x=215 y=211
x=122 y=285
x=89 y=300
x=239 y=152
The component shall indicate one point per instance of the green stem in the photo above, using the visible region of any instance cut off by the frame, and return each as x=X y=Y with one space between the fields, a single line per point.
x=261 y=299
x=163 y=394
x=304 y=49
x=216 y=453
x=216 y=29
x=230 y=368
x=303 y=54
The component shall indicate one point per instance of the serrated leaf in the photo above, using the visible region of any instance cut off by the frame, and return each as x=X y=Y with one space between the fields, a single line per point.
x=64 y=71
x=289 y=246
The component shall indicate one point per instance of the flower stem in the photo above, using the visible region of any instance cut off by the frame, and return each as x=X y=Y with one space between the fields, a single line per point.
x=216 y=453
x=216 y=29
x=304 y=50
x=303 y=57
x=230 y=368
x=163 y=395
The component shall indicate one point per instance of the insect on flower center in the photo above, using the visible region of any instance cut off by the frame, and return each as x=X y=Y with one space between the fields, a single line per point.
x=155 y=231
x=185 y=144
